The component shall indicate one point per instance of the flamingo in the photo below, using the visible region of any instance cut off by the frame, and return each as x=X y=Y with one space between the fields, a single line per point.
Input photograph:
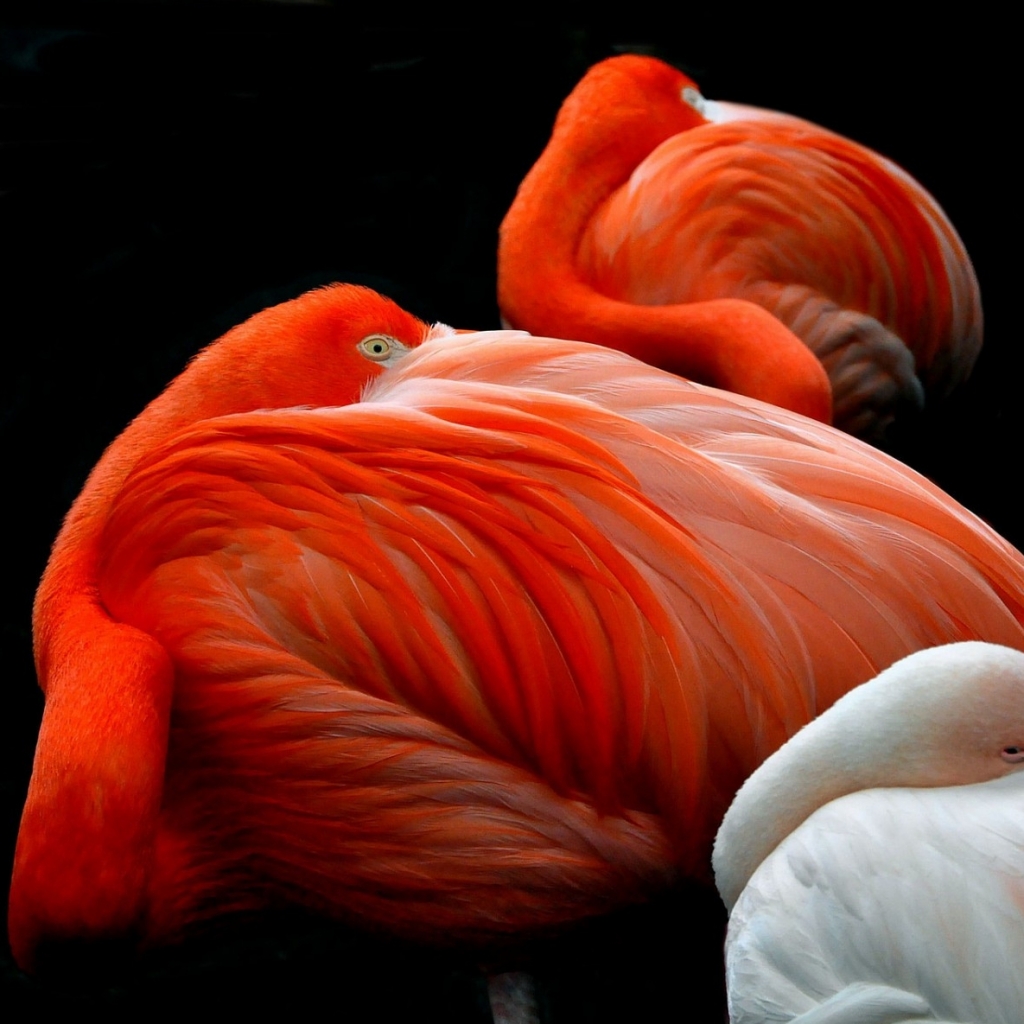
x=650 y=200
x=874 y=865
x=460 y=637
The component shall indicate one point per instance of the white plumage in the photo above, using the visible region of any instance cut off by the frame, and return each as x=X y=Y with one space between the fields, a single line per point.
x=887 y=904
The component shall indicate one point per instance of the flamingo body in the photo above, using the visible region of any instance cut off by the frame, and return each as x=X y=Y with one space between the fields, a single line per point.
x=717 y=200
x=485 y=651
x=888 y=904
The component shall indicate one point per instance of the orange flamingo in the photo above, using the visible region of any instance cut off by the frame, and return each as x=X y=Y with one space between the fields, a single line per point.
x=479 y=650
x=649 y=198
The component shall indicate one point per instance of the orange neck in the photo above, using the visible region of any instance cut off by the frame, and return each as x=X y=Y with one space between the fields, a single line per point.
x=218 y=381
x=85 y=846
x=621 y=111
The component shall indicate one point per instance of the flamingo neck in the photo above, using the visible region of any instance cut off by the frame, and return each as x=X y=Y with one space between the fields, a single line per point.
x=86 y=843
x=726 y=343
x=69 y=582
x=603 y=132
x=802 y=776
x=605 y=129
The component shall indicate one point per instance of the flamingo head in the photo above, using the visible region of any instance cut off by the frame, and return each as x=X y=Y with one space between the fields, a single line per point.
x=321 y=349
x=632 y=102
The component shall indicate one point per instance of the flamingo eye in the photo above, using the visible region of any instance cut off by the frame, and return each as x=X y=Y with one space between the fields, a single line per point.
x=380 y=347
x=1012 y=755
x=693 y=98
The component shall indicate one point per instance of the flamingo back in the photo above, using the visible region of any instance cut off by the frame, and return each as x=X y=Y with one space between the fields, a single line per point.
x=750 y=207
x=492 y=649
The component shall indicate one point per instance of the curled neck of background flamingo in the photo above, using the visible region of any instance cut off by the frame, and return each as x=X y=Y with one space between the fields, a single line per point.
x=730 y=344
x=615 y=117
x=605 y=128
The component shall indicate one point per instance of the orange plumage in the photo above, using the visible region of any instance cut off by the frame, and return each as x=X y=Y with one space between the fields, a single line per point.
x=650 y=201
x=483 y=650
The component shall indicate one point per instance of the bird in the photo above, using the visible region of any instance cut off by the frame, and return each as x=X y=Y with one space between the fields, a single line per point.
x=457 y=637
x=874 y=865
x=650 y=201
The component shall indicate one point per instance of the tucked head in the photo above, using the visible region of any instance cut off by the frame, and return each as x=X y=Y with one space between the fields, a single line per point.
x=949 y=715
x=645 y=98
x=946 y=716
x=320 y=349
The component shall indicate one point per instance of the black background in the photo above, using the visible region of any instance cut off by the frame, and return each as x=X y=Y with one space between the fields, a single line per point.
x=168 y=168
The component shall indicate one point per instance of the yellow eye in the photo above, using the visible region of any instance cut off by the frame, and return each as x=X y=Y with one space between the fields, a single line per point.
x=378 y=347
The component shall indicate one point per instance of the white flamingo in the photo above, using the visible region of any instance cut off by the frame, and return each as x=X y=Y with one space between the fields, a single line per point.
x=874 y=865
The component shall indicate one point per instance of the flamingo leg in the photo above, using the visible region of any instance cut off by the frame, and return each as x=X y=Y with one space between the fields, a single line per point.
x=513 y=998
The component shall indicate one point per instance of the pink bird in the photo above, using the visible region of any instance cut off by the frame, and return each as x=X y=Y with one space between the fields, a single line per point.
x=650 y=201
x=458 y=637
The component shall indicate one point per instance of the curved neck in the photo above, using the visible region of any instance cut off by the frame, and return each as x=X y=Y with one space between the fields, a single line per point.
x=730 y=344
x=292 y=354
x=85 y=844
x=69 y=581
x=790 y=786
x=606 y=128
